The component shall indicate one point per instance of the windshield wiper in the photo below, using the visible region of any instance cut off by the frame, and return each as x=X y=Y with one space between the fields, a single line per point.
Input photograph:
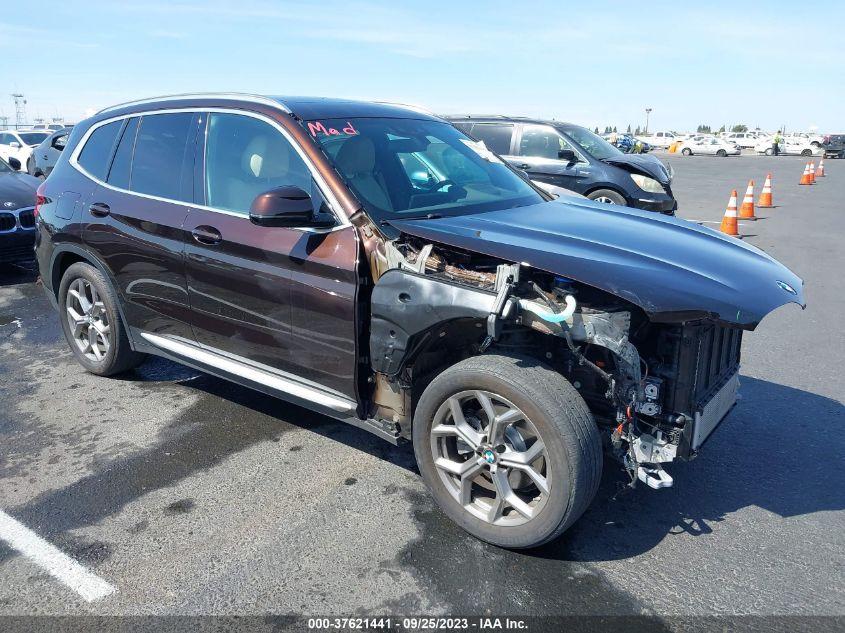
x=427 y=216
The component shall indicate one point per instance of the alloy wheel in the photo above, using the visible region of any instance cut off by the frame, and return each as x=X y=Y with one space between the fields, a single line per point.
x=88 y=320
x=490 y=457
x=604 y=199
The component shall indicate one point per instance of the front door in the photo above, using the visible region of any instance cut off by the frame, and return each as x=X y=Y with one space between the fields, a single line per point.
x=539 y=147
x=281 y=300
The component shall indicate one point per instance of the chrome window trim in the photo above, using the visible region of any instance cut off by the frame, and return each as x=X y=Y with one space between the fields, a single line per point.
x=288 y=383
x=202 y=95
x=325 y=190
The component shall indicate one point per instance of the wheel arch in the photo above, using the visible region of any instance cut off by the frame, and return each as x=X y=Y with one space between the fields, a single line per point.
x=65 y=256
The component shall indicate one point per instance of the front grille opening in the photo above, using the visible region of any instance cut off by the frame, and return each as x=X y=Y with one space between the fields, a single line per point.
x=7 y=222
x=27 y=219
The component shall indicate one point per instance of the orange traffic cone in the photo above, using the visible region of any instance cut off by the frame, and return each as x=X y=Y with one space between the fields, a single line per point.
x=820 y=170
x=765 y=201
x=746 y=211
x=729 y=223
x=805 y=177
x=813 y=172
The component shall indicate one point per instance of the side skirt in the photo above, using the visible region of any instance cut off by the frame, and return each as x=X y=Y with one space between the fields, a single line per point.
x=286 y=387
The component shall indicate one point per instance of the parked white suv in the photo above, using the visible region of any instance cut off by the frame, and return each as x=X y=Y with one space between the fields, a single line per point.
x=660 y=139
x=19 y=143
x=745 y=140
x=812 y=138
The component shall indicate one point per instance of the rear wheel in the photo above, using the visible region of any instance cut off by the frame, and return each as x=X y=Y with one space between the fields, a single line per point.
x=92 y=324
x=686 y=151
x=607 y=196
x=508 y=449
x=768 y=152
x=806 y=152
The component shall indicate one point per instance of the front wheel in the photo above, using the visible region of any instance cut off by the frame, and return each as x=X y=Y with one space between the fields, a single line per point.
x=806 y=152
x=769 y=152
x=686 y=151
x=722 y=153
x=508 y=448
x=606 y=196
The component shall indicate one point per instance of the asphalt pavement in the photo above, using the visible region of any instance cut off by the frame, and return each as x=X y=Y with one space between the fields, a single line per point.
x=190 y=495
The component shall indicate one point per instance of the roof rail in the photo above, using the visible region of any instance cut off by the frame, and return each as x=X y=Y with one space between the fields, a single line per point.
x=201 y=95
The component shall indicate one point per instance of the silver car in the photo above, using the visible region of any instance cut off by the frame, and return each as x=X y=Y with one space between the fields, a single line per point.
x=43 y=158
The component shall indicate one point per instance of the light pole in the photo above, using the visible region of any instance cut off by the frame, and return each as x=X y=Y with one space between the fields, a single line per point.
x=647 y=112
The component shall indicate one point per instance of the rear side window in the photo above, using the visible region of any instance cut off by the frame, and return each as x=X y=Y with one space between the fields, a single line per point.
x=163 y=159
x=496 y=136
x=119 y=173
x=97 y=152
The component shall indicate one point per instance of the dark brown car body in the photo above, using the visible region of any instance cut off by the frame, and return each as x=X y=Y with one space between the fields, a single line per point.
x=356 y=318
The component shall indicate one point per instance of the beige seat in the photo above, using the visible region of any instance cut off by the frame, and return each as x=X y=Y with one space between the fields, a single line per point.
x=265 y=163
x=356 y=160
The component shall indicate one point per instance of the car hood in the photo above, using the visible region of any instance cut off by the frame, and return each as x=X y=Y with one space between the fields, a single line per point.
x=673 y=269
x=648 y=165
x=19 y=189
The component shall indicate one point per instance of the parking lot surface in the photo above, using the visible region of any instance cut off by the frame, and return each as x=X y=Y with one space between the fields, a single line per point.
x=190 y=495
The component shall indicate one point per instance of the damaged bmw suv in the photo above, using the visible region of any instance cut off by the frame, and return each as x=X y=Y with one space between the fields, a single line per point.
x=373 y=263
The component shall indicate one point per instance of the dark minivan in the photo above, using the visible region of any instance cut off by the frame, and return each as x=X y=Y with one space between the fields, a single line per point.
x=373 y=263
x=834 y=146
x=572 y=157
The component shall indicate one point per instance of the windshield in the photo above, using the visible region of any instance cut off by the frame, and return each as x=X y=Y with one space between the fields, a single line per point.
x=401 y=168
x=33 y=138
x=595 y=145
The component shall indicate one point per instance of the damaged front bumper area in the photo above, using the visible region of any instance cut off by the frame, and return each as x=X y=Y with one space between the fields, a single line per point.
x=658 y=389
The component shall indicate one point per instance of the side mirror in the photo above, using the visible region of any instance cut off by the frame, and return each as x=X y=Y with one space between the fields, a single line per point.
x=15 y=144
x=568 y=155
x=59 y=143
x=14 y=163
x=287 y=206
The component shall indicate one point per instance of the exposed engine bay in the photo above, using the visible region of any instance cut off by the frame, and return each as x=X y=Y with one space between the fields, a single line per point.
x=657 y=390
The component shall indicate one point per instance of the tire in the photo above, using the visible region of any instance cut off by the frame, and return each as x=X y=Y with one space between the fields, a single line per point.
x=721 y=153
x=768 y=152
x=111 y=354
x=553 y=411
x=686 y=151
x=607 y=196
x=806 y=152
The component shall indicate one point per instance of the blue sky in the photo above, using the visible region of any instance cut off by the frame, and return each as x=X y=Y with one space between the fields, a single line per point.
x=593 y=63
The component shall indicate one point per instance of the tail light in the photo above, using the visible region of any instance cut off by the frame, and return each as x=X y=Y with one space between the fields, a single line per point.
x=39 y=199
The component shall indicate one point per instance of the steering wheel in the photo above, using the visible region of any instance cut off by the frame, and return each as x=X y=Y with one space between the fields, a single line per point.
x=439 y=185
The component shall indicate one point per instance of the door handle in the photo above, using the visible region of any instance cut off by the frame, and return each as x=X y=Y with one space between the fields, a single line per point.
x=99 y=209
x=207 y=235
x=523 y=166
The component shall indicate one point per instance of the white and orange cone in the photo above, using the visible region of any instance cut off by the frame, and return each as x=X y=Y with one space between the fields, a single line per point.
x=765 y=201
x=820 y=169
x=805 y=177
x=813 y=172
x=729 y=222
x=746 y=211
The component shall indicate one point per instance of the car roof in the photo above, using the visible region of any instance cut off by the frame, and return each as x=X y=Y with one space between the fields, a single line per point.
x=306 y=108
x=485 y=118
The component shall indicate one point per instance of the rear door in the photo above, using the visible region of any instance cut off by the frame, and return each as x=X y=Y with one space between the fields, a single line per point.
x=279 y=300
x=133 y=221
x=538 y=154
